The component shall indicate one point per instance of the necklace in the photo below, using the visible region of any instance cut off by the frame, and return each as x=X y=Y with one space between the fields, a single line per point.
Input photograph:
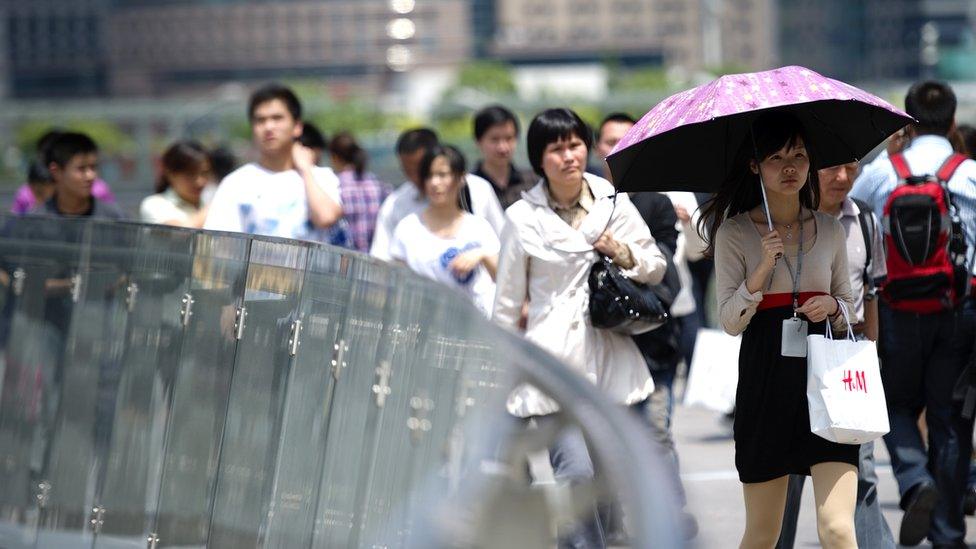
x=788 y=233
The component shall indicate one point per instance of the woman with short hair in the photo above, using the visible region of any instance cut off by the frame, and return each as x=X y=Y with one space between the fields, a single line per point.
x=554 y=235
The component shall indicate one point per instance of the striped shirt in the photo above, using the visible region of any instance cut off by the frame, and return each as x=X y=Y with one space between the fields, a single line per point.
x=924 y=156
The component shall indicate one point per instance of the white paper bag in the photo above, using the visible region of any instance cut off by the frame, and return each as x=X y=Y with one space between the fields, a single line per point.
x=844 y=390
x=714 y=371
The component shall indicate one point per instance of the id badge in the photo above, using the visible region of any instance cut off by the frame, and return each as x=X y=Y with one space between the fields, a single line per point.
x=794 y=338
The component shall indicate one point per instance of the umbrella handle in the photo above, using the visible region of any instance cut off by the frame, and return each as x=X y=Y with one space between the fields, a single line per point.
x=762 y=189
x=769 y=218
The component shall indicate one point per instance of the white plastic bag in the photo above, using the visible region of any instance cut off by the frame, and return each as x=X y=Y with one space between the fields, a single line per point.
x=714 y=371
x=844 y=390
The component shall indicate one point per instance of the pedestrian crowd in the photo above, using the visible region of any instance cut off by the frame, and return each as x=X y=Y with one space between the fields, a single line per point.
x=786 y=244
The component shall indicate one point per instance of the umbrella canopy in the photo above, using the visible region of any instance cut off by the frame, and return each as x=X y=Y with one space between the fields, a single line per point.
x=689 y=141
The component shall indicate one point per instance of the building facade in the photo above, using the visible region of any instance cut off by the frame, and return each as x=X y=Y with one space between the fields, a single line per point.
x=873 y=39
x=77 y=48
x=53 y=48
x=576 y=30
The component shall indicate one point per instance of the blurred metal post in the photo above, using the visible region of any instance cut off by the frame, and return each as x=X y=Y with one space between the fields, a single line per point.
x=928 y=50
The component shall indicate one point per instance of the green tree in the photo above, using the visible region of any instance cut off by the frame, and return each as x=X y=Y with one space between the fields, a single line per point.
x=110 y=138
x=489 y=77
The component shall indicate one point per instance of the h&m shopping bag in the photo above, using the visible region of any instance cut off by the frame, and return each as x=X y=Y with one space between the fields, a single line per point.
x=844 y=390
x=714 y=371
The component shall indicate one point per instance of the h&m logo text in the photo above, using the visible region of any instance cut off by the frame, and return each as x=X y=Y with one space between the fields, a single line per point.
x=855 y=381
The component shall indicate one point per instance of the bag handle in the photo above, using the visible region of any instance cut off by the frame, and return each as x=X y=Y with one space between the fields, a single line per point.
x=850 y=331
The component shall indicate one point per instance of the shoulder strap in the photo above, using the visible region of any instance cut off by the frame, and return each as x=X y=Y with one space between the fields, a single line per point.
x=901 y=166
x=864 y=216
x=464 y=197
x=949 y=167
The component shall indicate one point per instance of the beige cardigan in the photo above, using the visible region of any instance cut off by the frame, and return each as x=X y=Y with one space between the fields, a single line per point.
x=738 y=250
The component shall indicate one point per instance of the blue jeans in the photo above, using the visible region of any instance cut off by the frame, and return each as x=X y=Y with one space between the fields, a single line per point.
x=571 y=464
x=869 y=524
x=922 y=356
x=658 y=410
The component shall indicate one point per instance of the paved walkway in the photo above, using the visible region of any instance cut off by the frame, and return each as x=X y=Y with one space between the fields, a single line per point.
x=715 y=495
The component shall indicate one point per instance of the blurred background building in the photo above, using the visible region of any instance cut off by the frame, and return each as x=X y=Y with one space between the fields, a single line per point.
x=139 y=73
x=72 y=48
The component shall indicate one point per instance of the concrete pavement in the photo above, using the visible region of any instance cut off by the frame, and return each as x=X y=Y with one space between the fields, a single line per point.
x=715 y=495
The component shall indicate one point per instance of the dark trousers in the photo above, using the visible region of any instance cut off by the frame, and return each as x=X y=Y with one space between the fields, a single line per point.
x=701 y=275
x=922 y=356
x=690 y=324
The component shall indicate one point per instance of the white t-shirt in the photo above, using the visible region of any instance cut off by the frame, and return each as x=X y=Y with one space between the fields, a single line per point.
x=255 y=200
x=168 y=206
x=406 y=200
x=429 y=255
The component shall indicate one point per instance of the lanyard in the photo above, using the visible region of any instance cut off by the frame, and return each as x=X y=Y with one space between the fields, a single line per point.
x=795 y=277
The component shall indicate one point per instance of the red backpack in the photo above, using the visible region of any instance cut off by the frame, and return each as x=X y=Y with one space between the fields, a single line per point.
x=925 y=244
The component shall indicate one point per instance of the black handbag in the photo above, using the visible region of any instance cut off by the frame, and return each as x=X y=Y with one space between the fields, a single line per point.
x=620 y=304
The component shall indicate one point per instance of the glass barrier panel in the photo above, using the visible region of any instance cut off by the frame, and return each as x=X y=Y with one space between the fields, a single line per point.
x=362 y=380
x=404 y=425
x=201 y=389
x=156 y=262
x=94 y=306
x=36 y=259
x=308 y=401
x=250 y=441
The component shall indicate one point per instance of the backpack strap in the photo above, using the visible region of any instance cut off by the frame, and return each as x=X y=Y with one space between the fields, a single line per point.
x=866 y=219
x=949 y=167
x=900 y=165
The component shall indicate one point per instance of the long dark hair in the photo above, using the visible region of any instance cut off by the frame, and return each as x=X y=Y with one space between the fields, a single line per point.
x=740 y=192
x=181 y=157
x=343 y=145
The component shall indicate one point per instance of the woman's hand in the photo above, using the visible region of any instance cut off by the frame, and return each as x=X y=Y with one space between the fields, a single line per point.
x=606 y=245
x=772 y=246
x=818 y=308
x=464 y=263
x=682 y=214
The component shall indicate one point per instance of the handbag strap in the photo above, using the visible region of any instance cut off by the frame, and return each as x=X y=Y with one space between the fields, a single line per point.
x=850 y=331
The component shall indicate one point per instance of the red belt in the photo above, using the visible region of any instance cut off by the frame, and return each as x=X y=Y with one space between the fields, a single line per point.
x=772 y=301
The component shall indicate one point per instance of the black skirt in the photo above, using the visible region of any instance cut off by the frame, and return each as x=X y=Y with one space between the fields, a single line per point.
x=772 y=420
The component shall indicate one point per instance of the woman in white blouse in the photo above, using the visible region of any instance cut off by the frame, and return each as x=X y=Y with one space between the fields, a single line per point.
x=443 y=241
x=180 y=189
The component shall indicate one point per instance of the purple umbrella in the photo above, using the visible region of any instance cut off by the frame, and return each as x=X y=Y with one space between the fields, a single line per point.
x=689 y=141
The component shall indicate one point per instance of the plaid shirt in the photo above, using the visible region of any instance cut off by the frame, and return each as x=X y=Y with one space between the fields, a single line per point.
x=361 y=201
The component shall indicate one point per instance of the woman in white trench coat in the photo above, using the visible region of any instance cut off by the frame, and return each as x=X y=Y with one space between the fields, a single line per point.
x=554 y=235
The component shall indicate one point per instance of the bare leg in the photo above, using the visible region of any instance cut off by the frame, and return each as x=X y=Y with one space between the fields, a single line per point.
x=835 y=489
x=764 y=513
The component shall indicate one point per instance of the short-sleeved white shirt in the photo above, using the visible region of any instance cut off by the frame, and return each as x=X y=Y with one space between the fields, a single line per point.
x=168 y=206
x=430 y=255
x=857 y=260
x=406 y=199
x=255 y=200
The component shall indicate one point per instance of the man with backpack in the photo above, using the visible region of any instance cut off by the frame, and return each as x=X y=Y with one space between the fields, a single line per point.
x=926 y=198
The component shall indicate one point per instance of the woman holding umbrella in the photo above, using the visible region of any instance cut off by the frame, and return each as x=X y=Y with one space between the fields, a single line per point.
x=781 y=273
x=781 y=269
